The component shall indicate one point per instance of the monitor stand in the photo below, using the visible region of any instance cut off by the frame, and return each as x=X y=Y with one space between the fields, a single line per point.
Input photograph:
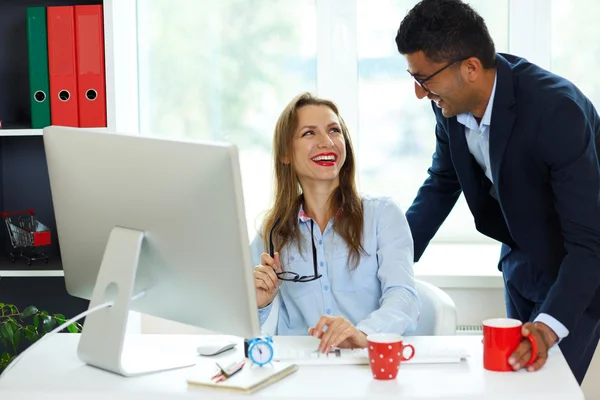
x=104 y=342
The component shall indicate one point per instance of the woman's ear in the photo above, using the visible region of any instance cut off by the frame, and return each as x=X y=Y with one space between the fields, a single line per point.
x=285 y=159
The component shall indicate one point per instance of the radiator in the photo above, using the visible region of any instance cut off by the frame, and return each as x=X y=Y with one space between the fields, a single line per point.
x=469 y=329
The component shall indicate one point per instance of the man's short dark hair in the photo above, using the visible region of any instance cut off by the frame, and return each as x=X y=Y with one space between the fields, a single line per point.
x=446 y=31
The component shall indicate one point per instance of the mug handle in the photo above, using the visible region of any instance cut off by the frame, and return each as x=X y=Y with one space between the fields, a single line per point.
x=412 y=353
x=534 y=350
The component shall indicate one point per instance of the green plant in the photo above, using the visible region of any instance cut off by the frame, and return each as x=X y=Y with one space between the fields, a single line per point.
x=29 y=325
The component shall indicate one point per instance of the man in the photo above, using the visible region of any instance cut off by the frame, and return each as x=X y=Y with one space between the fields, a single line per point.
x=522 y=144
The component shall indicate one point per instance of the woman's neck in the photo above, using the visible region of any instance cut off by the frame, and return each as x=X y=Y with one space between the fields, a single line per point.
x=316 y=203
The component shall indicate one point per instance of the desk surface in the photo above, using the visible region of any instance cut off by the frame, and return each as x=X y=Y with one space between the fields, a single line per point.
x=52 y=370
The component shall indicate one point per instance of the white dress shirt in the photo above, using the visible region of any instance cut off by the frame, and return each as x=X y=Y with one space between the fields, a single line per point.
x=478 y=140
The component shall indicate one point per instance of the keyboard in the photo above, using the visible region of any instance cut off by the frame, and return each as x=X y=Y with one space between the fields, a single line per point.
x=423 y=355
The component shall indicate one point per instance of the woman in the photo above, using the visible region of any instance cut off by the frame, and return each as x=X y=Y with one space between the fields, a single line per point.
x=341 y=263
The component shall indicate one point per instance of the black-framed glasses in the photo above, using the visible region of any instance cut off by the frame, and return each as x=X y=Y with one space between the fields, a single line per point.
x=293 y=276
x=421 y=82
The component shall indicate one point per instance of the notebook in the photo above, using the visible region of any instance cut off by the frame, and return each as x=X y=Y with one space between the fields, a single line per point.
x=249 y=380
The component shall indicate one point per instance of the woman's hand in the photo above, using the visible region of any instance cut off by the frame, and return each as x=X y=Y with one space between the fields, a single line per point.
x=266 y=280
x=340 y=333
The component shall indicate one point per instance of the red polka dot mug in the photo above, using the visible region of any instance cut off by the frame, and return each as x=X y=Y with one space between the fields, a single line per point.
x=386 y=350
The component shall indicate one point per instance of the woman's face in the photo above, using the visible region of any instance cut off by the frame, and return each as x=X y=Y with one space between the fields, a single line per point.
x=318 y=145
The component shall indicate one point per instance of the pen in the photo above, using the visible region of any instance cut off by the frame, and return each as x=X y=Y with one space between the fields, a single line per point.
x=229 y=371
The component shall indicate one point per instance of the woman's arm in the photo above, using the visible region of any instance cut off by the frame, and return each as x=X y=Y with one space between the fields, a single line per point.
x=400 y=305
x=256 y=249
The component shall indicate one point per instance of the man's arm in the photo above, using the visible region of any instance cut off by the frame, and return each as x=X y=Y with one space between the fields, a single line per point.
x=567 y=145
x=437 y=196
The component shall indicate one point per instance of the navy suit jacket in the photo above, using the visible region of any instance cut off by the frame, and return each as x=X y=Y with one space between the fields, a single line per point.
x=544 y=146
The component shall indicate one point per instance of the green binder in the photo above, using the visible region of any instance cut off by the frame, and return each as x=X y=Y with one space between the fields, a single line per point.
x=38 y=67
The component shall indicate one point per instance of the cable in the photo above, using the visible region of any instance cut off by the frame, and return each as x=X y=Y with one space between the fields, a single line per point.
x=63 y=326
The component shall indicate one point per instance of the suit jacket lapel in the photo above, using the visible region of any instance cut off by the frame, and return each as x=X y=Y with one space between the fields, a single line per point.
x=469 y=173
x=503 y=116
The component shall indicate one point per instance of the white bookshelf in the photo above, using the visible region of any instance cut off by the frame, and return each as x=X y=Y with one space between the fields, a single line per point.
x=120 y=49
x=20 y=132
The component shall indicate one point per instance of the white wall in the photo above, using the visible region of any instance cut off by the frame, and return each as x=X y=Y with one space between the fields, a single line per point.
x=473 y=305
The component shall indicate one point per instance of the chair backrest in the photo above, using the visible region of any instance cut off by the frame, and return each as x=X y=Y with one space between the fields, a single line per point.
x=438 y=314
x=269 y=328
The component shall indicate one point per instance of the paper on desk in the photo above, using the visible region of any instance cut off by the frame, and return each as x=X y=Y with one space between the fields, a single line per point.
x=250 y=379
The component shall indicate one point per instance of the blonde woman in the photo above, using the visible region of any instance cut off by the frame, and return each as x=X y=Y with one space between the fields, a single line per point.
x=341 y=263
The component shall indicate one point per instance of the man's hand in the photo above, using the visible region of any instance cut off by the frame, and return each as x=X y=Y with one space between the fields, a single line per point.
x=340 y=333
x=545 y=339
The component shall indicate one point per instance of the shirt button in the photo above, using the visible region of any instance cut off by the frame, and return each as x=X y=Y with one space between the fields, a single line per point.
x=326 y=287
x=328 y=311
x=321 y=263
x=320 y=242
x=292 y=258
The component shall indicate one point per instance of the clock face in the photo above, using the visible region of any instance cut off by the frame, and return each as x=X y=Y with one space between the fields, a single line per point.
x=261 y=353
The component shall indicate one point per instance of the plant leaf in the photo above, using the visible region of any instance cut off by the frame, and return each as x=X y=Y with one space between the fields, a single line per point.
x=7 y=331
x=36 y=321
x=13 y=309
x=30 y=333
x=46 y=321
x=5 y=359
x=60 y=319
x=73 y=328
x=14 y=327
x=29 y=311
x=17 y=339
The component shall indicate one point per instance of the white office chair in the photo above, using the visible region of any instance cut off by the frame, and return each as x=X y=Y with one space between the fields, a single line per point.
x=269 y=328
x=438 y=314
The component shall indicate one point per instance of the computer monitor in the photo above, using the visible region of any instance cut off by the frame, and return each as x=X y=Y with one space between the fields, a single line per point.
x=166 y=218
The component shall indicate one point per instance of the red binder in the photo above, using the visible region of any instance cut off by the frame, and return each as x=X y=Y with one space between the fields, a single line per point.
x=61 y=66
x=91 y=87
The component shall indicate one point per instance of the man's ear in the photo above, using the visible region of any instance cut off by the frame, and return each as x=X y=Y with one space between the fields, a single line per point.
x=474 y=68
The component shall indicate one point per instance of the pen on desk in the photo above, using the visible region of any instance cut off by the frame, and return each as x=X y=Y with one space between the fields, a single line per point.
x=229 y=371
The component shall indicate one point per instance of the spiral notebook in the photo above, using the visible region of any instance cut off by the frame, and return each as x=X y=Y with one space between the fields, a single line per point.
x=249 y=379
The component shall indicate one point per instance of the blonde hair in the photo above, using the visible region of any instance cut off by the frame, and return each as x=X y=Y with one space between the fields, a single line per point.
x=344 y=202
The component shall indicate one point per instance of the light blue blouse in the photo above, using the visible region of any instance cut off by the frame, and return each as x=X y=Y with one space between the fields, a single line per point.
x=377 y=296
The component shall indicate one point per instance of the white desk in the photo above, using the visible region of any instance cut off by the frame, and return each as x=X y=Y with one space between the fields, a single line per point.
x=53 y=371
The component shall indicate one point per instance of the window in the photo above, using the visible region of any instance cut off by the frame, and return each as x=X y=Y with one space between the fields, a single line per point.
x=396 y=130
x=223 y=70
x=576 y=22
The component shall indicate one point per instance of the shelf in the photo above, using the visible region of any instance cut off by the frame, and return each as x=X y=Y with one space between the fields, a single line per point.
x=32 y=273
x=20 y=132
x=20 y=265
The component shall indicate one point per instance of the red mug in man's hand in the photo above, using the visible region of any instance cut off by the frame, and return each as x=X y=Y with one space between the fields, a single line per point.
x=501 y=336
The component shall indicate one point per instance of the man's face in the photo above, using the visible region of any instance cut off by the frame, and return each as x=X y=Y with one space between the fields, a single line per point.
x=447 y=88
